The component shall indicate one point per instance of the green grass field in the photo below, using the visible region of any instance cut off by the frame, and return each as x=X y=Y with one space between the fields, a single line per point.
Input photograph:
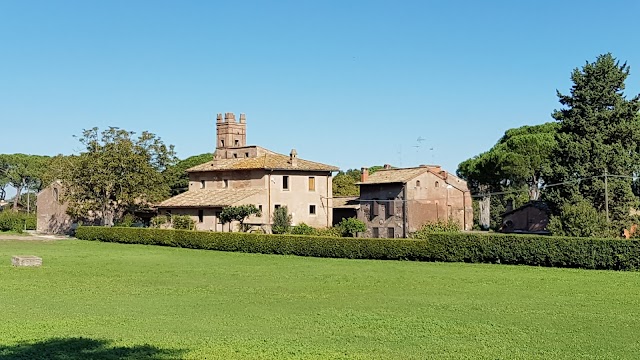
x=94 y=300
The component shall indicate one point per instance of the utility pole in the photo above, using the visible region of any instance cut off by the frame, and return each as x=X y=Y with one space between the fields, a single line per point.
x=606 y=195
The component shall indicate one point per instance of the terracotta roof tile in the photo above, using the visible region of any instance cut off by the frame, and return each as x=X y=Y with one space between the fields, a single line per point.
x=266 y=160
x=385 y=176
x=208 y=198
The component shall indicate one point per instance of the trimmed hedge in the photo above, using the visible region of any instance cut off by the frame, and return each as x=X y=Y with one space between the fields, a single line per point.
x=16 y=221
x=588 y=253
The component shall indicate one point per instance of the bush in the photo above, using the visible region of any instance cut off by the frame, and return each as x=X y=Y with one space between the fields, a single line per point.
x=580 y=220
x=126 y=221
x=303 y=229
x=281 y=221
x=449 y=226
x=158 y=221
x=351 y=226
x=334 y=231
x=15 y=221
x=183 y=222
x=588 y=253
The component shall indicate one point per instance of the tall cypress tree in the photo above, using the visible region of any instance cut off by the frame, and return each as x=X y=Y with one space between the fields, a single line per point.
x=599 y=132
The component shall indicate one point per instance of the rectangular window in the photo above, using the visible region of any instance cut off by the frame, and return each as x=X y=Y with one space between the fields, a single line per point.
x=391 y=233
x=225 y=183
x=218 y=213
x=202 y=184
x=391 y=207
x=312 y=209
x=246 y=154
x=375 y=208
x=276 y=206
x=235 y=155
x=237 y=142
x=285 y=183
x=260 y=209
x=200 y=216
x=312 y=183
x=221 y=143
x=375 y=233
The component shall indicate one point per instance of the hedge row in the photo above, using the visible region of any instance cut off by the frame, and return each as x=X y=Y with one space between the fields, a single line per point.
x=16 y=221
x=611 y=254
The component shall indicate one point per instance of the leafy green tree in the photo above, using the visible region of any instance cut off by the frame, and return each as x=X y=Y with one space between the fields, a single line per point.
x=519 y=158
x=351 y=226
x=115 y=173
x=515 y=163
x=579 y=220
x=344 y=183
x=176 y=175
x=599 y=131
x=238 y=213
x=281 y=220
x=23 y=171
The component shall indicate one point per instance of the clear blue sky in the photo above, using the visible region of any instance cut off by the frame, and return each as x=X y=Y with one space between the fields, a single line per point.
x=348 y=83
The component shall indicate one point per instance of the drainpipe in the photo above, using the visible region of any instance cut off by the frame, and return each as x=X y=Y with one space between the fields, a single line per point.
x=328 y=207
x=269 y=198
x=404 y=210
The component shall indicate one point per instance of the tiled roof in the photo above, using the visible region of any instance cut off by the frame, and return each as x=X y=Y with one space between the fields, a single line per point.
x=208 y=198
x=266 y=159
x=386 y=176
x=346 y=202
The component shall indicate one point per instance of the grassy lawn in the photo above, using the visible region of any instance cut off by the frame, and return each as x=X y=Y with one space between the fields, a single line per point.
x=111 y=301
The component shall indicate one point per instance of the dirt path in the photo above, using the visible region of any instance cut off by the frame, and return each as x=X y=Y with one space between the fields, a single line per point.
x=31 y=237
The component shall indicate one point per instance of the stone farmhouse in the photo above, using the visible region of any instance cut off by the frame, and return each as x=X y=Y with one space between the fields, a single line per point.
x=248 y=174
x=396 y=202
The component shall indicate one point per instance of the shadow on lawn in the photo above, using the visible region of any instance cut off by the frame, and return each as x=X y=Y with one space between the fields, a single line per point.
x=83 y=348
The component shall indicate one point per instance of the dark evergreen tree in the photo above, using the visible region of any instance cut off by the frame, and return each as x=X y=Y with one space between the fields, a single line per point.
x=599 y=132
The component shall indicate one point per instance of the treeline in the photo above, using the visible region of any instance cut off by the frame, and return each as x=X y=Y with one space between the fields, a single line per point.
x=116 y=173
x=584 y=164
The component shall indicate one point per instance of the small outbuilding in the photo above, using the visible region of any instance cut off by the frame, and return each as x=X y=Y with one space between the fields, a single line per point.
x=530 y=218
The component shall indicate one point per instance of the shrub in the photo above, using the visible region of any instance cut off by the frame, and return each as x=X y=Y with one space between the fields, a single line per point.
x=281 y=221
x=303 y=229
x=588 y=253
x=449 y=226
x=126 y=221
x=334 y=231
x=158 y=221
x=351 y=226
x=15 y=221
x=580 y=220
x=183 y=222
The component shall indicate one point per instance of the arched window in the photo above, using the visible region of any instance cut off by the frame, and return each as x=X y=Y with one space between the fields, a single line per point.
x=417 y=183
x=56 y=195
x=437 y=184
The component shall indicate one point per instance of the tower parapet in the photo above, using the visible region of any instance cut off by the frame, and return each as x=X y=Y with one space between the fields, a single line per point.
x=229 y=133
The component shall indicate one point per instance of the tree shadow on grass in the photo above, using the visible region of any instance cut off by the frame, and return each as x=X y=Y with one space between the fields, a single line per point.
x=83 y=348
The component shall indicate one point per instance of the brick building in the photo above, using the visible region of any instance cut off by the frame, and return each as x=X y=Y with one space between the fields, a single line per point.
x=397 y=202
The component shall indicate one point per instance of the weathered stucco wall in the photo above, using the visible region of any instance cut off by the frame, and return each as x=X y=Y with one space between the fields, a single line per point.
x=51 y=213
x=308 y=201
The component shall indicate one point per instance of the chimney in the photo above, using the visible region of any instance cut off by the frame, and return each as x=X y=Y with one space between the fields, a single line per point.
x=293 y=156
x=243 y=118
x=509 y=206
x=364 y=175
x=387 y=166
x=219 y=118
